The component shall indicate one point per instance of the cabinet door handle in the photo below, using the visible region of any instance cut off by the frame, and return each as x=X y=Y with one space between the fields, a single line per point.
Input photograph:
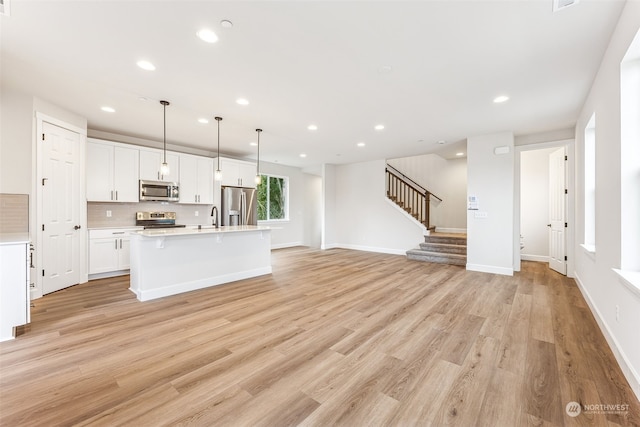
x=111 y=194
x=120 y=243
x=116 y=242
x=158 y=175
x=116 y=194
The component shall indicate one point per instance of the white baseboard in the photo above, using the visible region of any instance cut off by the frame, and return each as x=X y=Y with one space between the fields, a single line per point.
x=373 y=249
x=537 y=258
x=178 y=288
x=108 y=274
x=451 y=230
x=286 y=245
x=490 y=269
x=628 y=371
x=330 y=246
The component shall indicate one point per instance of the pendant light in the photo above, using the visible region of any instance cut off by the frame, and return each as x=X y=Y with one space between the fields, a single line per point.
x=258 y=178
x=164 y=167
x=218 y=176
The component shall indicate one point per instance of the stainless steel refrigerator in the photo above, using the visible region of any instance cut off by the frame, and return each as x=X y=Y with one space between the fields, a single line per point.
x=239 y=206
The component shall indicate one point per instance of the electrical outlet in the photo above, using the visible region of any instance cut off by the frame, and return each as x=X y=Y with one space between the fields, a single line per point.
x=108 y=214
x=197 y=213
x=617 y=313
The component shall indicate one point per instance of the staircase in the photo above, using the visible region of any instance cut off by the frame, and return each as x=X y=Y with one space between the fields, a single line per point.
x=415 y=200
x=443 y=248
x=410 y=196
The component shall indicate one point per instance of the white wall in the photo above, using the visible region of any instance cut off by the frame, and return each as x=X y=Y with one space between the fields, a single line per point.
x=291 y=232
x=534 y=204
x=490 y=179
x=329 y=217
x=16 y=123
x=364 y=218
x=313 y=211
x=446 y=179
x=602 y=287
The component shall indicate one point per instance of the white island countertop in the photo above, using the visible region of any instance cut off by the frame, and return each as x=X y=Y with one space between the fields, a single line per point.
x=194 y=230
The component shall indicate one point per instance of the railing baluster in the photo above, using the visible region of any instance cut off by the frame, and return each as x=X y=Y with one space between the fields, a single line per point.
x=415 y=200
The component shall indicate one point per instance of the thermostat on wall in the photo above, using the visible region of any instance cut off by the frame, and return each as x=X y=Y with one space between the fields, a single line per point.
x=501 y=150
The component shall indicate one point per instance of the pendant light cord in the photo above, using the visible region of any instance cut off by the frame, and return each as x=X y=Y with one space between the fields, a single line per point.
x=258 y=162
x=164 y=130
x=218 y=119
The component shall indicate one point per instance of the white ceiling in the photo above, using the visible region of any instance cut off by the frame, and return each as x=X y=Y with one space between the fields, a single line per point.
x=304 y=62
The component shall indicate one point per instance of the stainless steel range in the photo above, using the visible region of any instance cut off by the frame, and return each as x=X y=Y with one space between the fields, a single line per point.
x=157 y=220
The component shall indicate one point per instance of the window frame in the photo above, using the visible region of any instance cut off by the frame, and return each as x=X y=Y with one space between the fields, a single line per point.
x=589 y=239
x=265 y=177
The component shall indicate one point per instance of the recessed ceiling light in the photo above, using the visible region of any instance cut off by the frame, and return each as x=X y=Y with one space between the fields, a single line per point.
x=361 y=144
x=207 y=35
x=253 y=144
x=385 y=69
x=379 y=127
x=303 y=155
x=312 y=127
x=225 y=23
x=460 y=154
x=146 y=65
x=442 y=141
x=203 y=120
x=108 y=109
x=500 y=99
x=242 y=101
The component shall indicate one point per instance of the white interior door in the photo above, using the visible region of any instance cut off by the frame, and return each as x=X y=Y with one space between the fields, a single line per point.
x=557 y=211
x=60 y=207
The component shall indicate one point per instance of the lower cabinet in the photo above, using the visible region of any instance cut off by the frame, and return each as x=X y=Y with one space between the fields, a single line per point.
x=14 y=288
x=109 y=252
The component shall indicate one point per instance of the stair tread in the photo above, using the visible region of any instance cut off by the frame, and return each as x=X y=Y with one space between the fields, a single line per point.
x=444 y=245
x=436 y=254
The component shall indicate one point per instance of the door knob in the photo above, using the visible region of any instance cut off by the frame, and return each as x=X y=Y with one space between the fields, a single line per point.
x=548 y=225
x=76 y=227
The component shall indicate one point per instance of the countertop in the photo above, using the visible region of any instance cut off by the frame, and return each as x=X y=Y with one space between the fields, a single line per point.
x=193 y=230
x=14 y=238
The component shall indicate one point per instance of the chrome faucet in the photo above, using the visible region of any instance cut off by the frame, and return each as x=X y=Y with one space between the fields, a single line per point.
x=214 y=214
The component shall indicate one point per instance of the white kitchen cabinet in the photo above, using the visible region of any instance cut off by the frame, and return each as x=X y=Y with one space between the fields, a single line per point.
x=150 y=161
x=14 y=287
x=238 y=173
x=196 y=179
x=109 y=251
x=112 y=172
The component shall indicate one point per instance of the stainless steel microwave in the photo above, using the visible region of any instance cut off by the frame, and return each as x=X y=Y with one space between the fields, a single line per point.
x=159 y=191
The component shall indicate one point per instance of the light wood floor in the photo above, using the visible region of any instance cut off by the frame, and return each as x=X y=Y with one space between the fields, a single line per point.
x=333 y=337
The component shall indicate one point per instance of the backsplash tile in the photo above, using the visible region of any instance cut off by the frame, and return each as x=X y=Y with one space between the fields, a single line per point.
x=14 y=213
x=124 y=214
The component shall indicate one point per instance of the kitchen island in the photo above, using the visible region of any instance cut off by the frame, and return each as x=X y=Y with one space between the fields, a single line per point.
x=170 y=261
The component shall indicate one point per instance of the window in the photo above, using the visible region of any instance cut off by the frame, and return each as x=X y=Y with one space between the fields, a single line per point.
x=590 y=185
x=273 y=198
x=630 y=157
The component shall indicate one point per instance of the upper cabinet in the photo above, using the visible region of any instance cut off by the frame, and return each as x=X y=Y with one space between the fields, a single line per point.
x=150 y=161
x=112 y=172
x=237 y=173
x=196 y=179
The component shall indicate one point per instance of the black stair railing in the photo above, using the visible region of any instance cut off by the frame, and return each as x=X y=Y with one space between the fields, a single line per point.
x=409 y=195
